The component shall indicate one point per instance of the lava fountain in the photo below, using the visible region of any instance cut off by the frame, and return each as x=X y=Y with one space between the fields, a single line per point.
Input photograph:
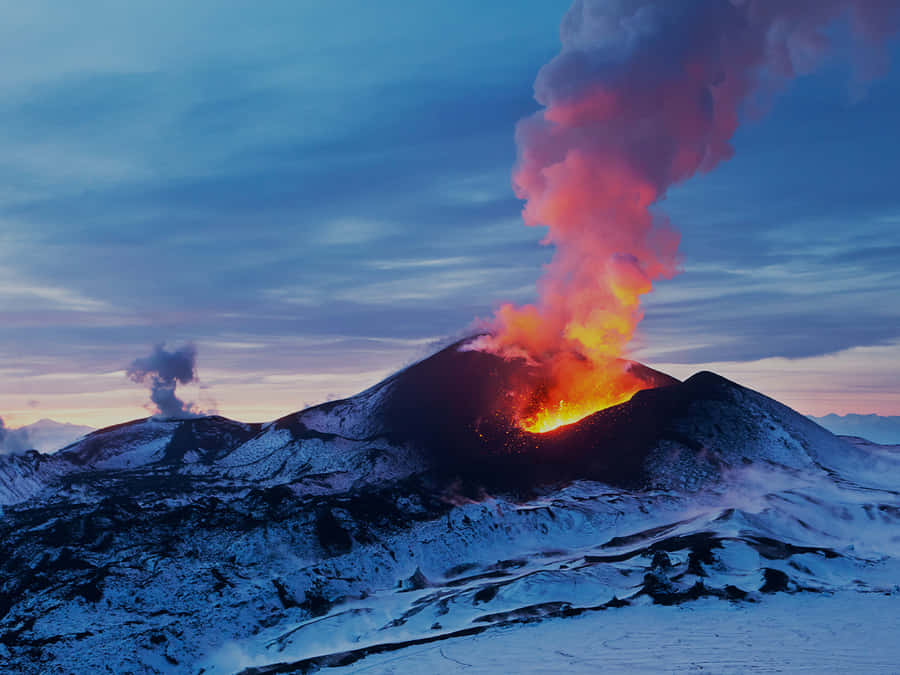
x=643 y=95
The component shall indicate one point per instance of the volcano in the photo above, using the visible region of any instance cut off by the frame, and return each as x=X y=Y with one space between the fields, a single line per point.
x=419 y=511
x=447 y=419
x=452 y=411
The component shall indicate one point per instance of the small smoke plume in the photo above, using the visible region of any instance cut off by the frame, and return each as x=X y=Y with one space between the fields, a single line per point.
x=644 y=95
x=163 y=371
x=13 y=440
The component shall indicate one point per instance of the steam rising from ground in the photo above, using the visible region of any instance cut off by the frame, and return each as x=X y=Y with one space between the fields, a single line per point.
x=163 y=371
x=643 y=95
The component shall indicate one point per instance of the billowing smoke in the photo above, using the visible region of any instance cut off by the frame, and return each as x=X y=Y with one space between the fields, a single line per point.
x=644 y=94
x=13 y=440
x=163 y=371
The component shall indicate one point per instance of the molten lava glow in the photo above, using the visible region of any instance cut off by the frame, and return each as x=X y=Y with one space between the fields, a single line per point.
x=554 y=417
x=643 y=95
x=571 y=398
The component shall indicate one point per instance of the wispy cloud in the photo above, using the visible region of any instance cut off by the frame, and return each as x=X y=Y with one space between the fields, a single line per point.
x=57 y=297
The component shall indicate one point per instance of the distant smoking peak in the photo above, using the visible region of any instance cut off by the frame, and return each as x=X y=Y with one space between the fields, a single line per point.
x=163 y=371
x=643 y=95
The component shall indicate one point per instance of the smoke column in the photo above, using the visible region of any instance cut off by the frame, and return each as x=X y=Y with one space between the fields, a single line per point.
x=643 y=95
x=163 y=371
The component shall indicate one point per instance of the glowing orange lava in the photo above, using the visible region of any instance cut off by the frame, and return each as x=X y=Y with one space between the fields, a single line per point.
x=562 y=414
x=571 y=388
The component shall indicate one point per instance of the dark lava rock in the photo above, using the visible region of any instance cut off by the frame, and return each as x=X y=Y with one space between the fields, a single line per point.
x=775 y=581
x=332 y=536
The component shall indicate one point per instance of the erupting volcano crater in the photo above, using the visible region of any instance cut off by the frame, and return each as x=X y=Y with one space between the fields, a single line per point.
x=565 y=386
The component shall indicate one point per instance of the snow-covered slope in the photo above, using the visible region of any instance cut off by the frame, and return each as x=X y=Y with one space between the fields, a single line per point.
x=785 y=634
x=25 y=475
x=411 y=516
x=274 y=577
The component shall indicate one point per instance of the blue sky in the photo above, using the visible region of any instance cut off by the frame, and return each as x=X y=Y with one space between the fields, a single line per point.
x=316 y=193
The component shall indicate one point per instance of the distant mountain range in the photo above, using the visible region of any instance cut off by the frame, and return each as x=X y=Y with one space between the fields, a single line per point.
x=44 y=435
x=883 y=430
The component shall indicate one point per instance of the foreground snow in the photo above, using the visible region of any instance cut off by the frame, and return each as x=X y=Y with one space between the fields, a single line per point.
x=279 y=583
x=843 y=633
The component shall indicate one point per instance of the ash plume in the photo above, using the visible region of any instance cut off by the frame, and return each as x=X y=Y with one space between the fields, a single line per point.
x=163 y=371
x=644 y=95
x=13 y=440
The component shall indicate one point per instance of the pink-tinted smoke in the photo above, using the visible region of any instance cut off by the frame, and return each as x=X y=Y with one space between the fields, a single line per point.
x=643 y=95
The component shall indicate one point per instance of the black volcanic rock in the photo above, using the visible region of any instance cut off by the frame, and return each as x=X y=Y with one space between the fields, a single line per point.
x=454 y=397
x=210 y=437
x=678 y=435
x=455 y=408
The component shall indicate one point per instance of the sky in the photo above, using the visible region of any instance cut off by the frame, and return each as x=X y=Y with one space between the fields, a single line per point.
x=317 y=194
